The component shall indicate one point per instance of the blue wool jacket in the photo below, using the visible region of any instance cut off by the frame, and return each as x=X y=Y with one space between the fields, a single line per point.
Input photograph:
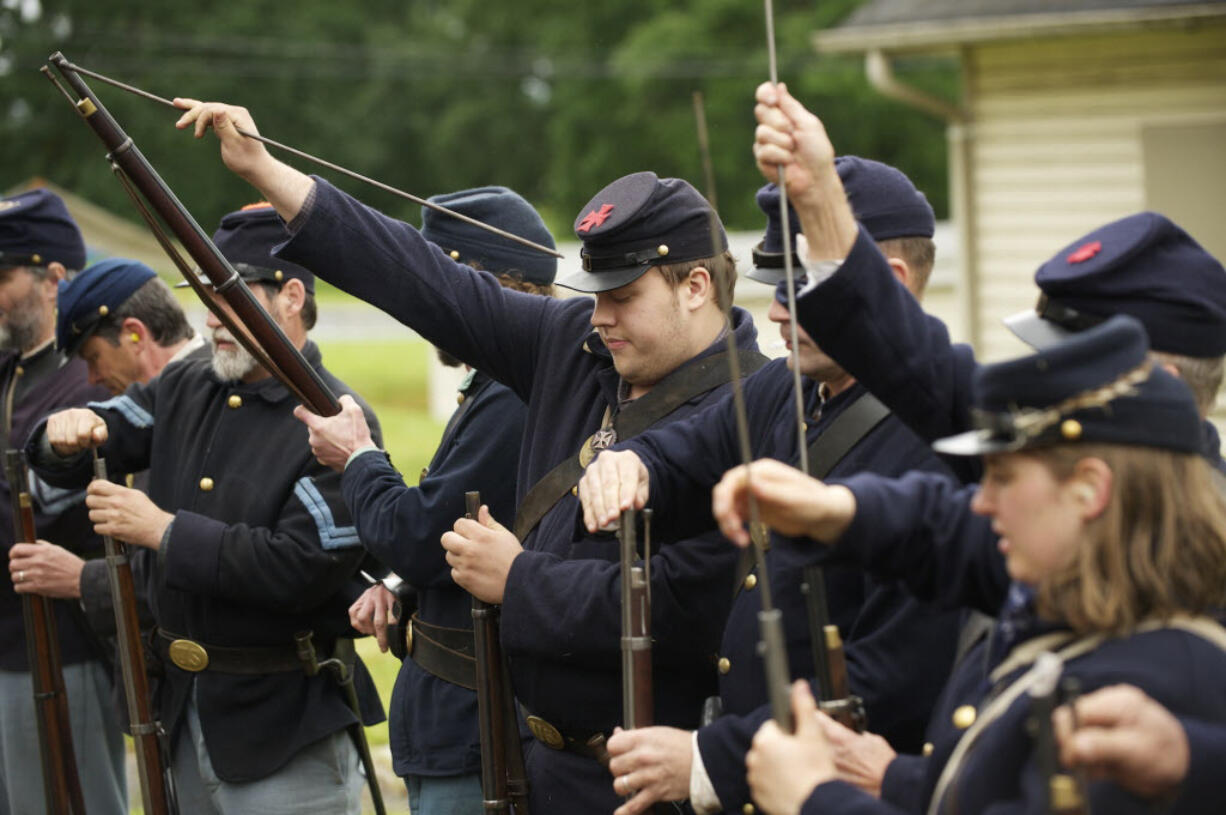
x=561 y=608
x=47 y=382
x=261 y=547
x=899 y=651
x=921 y=531
x=432 y=722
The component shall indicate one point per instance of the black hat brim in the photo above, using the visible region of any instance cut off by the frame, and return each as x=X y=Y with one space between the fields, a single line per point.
x=1035 y=331
x=606 y=280
x=973 y=443
x=771 y=277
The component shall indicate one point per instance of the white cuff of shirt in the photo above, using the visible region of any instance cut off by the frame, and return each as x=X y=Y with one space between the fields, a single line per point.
x=359 y=452
x=702 y=793
x=818 y=272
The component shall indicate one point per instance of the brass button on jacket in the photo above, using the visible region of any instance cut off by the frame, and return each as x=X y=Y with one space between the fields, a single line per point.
x=724 y=665
x=235 y=401
x=206 y=484
x=750 y=581
x=964 y=717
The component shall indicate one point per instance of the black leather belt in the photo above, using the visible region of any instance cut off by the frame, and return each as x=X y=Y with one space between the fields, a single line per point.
x=443 y=652
x=591 y=745
x=189 y=655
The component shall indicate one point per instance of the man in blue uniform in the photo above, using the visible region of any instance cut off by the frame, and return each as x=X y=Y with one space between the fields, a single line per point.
x=654 y=357
x=433 y=712
x=125 y=323
x=862 y=318
x=39 y=246
x=898 y=651
x=251 y=544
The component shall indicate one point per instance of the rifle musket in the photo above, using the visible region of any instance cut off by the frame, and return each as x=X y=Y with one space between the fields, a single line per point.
x=249 y=322
x=65 y=64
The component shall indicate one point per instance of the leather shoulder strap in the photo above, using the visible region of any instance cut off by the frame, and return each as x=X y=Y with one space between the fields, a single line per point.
x=826 y=451
x=667 y=395
x=844 y=433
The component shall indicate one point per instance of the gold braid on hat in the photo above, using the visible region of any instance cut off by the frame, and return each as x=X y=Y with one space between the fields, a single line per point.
x=1031 y=422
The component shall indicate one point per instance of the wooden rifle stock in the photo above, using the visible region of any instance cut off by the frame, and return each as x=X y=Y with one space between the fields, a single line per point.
x=504 y=786
x=156 y=784
x=61 y=782
x=249 y=322
x=829 y=660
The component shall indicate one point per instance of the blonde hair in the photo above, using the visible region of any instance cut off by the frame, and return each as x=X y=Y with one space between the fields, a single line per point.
x=1157 y=549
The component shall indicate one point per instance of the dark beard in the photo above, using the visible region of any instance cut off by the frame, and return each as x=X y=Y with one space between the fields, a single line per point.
x=447 y=359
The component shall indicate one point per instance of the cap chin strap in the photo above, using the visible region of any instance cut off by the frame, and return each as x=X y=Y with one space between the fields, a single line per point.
x=1065 y=315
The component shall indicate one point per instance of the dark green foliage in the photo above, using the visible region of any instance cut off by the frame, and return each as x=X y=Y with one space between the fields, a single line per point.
x=552 y=99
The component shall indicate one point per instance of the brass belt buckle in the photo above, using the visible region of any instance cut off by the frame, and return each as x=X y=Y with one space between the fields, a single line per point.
x=188 y=655
x=545 y=733
x=408 y=638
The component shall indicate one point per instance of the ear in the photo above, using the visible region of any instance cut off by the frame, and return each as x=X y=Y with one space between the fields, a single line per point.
x=1091 y=483
x=902 y=272
x=292 y=296
x=697 y=288
x=55 y=273
x=134 y=330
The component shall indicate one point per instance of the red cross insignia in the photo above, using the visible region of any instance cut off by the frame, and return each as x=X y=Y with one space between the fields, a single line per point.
x=594 y=218
x=1085 y=252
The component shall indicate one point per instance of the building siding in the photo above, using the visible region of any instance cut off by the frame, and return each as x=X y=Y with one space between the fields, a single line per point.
x=1056 y=147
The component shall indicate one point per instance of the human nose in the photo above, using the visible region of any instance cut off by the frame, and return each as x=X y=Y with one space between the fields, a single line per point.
x=777 y=313
x=602 y=312
x=982 y=502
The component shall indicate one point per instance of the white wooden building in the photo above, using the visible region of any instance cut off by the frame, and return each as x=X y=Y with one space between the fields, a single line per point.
x=1071 y=114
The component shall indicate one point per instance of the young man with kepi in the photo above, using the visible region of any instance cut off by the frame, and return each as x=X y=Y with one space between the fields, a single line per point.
x=653 y=357
x=433 y=711
x=252 y=548
x=40 y=246
x=898 y=651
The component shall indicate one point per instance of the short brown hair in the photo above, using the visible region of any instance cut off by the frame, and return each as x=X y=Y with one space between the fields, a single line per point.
x=1202 y=374
x=1158 y=548
x=723 y=275
x=918 y=253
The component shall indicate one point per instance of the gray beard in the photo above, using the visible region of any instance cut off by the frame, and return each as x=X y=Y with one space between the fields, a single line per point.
x=23 y=327
x=233 y=365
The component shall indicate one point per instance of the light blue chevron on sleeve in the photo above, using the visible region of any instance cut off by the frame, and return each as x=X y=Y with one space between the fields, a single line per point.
x=53 y=500
x=331 y=536
x=126 y=406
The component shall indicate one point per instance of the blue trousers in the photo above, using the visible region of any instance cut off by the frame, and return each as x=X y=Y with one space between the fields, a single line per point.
x=324 y=778
x=444 y=794
x=97 y=741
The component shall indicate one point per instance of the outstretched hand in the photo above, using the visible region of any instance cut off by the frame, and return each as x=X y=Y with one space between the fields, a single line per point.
x=789 y=502
x=284 y=187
